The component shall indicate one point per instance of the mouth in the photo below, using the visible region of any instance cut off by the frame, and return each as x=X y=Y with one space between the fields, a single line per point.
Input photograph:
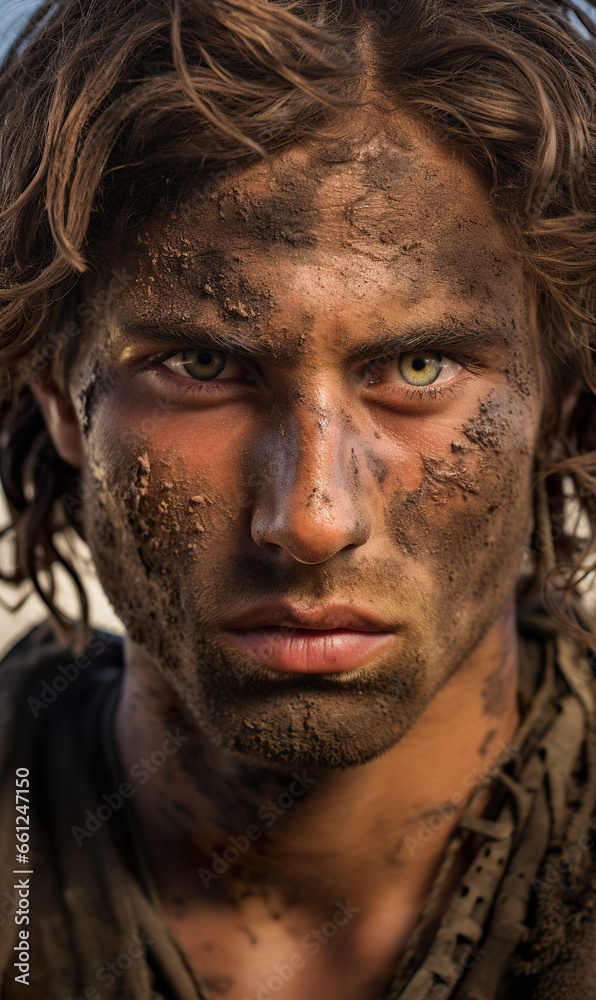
x=318 y=640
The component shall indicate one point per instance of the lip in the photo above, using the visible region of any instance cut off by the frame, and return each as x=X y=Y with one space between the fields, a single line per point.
x=285 y=614
x=291 y=639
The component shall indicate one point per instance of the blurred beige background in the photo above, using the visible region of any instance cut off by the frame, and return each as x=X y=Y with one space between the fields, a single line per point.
x=15 y=624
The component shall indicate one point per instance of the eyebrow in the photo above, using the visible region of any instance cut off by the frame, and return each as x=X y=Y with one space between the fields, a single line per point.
x=187 y=334
x=447 y=333
x=443 y=333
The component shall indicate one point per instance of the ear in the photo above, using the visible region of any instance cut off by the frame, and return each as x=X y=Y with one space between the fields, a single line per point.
x=60 y=417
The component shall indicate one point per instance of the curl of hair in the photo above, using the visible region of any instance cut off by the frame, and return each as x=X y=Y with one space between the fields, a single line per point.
x=103 y=104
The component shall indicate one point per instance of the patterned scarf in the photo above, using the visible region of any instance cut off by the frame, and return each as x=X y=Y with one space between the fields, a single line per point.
x=522 y=924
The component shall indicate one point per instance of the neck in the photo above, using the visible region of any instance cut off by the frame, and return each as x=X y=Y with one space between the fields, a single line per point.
x=374 y=834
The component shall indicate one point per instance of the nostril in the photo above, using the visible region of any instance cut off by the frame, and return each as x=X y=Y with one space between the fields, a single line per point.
x=269 y=546
x=309 y=536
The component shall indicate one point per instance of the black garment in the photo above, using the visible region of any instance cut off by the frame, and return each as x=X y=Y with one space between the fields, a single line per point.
x=515 y=929
x=89 y=904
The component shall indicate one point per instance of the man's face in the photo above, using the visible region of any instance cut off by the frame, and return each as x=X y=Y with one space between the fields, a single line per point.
x=316 y=404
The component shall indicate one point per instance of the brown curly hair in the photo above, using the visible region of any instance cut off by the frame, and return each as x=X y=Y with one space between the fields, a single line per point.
x=104 y=104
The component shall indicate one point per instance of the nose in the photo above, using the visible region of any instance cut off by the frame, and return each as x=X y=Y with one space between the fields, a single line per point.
x=310 y=503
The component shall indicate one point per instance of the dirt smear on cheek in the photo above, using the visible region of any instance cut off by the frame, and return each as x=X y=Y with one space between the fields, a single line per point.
x=483 y=429
x=520 y=377
x=146 y=517
x=469 y=514
x=378 y=467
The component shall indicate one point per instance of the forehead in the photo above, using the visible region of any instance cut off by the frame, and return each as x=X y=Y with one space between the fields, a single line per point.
x=392 y=220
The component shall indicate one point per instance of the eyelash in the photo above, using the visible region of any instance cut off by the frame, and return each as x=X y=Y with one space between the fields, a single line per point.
x=183 y=388
x=430 y=392
x=425 y=394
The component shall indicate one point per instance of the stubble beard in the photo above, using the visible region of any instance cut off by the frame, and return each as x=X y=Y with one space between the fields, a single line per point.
x=312 y=720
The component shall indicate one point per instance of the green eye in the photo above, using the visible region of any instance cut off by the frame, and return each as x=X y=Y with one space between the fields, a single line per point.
x=420 y=367
x=203 y=363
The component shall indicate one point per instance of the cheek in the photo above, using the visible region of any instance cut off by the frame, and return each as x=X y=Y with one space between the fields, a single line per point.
x=193 y=445
x=165 y=487
x=468 y=515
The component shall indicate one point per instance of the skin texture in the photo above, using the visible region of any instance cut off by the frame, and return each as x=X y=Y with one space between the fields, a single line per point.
x=312 y=472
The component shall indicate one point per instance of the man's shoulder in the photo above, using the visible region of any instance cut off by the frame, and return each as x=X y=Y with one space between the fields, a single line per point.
x=40 y=676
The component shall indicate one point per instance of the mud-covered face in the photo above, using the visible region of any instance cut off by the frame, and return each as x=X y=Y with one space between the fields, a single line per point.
x=318 y=395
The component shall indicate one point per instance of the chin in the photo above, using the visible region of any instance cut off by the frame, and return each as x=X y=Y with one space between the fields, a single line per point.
x=316 y=730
